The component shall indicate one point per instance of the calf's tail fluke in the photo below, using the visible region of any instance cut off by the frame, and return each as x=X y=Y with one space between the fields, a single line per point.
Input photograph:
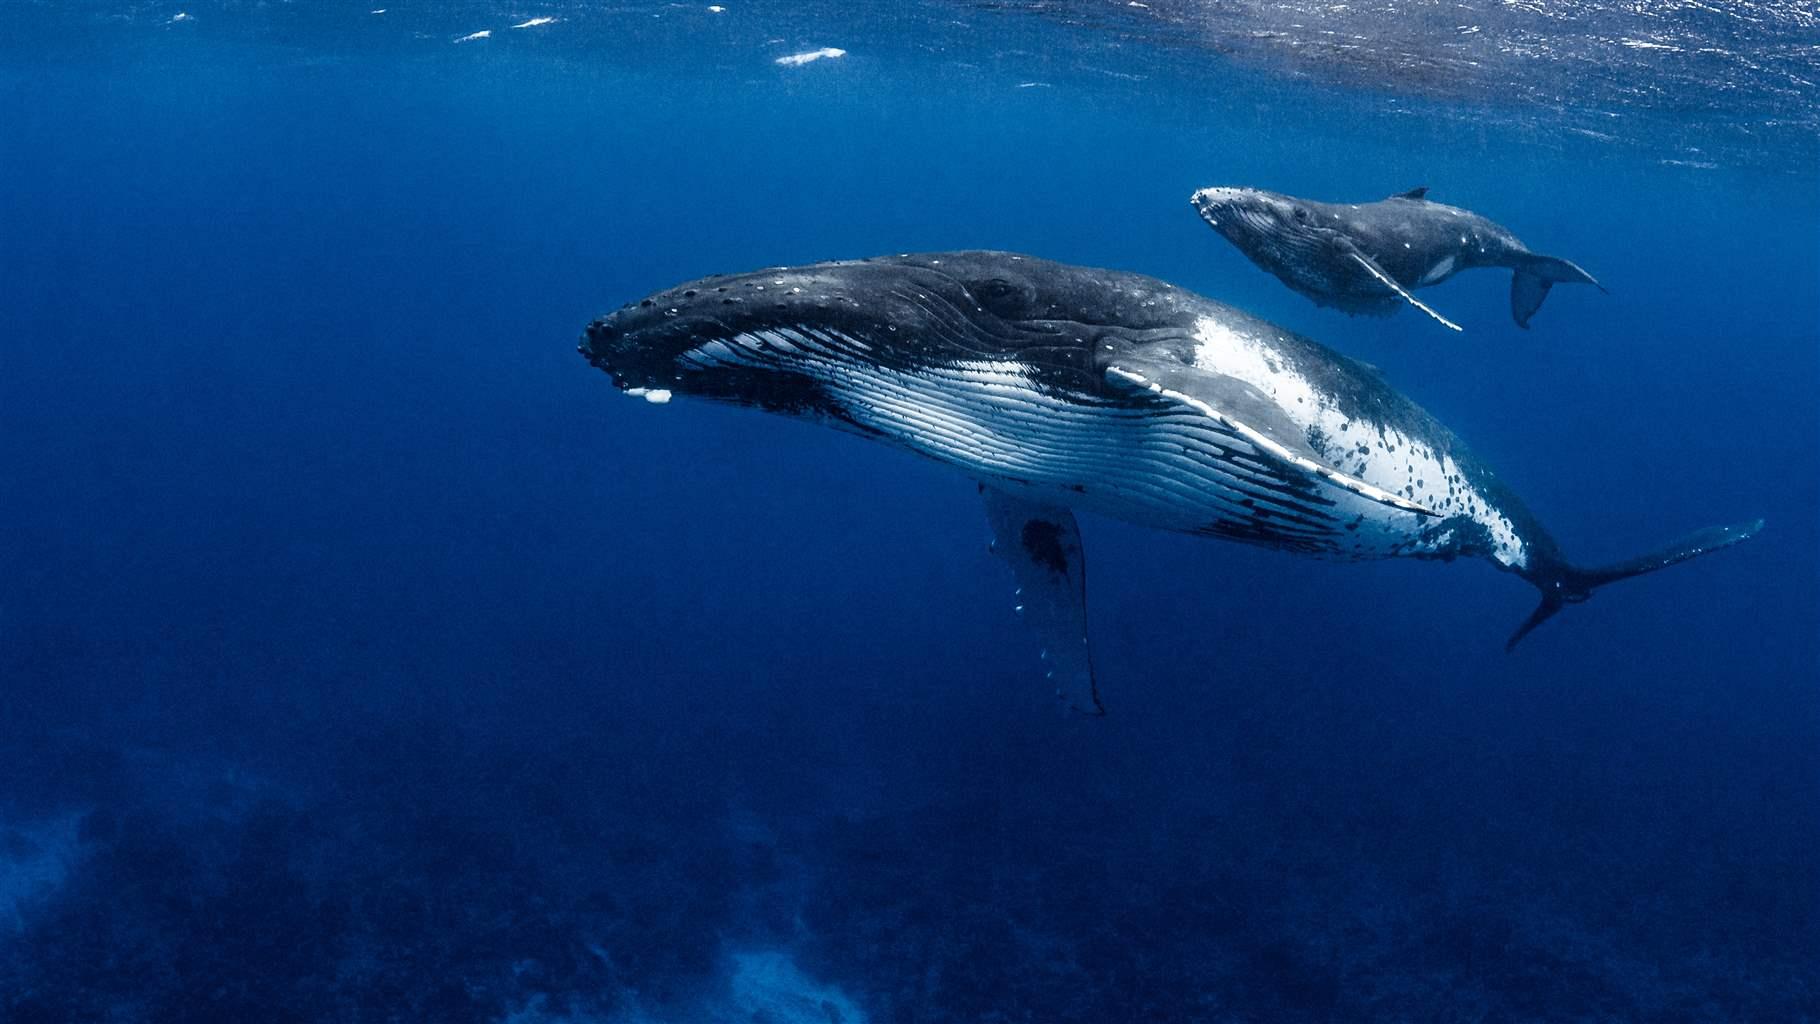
x=1534 y=276
x=1563 y=584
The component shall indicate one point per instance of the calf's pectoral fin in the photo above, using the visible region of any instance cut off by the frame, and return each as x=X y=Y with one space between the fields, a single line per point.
x=1371 y=267
x=1534 y=276
x=1042 y=544
x=1245 y=411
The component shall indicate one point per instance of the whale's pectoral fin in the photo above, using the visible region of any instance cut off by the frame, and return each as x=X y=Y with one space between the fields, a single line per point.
x=1531 y=280
x=1043 y=546
x=1371 y=267
x=1249 y=414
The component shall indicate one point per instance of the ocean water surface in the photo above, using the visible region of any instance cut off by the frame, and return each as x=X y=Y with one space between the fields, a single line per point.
x=366 y=656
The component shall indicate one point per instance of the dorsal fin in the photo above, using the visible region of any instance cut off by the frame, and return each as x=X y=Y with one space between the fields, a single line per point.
x=1420 y=192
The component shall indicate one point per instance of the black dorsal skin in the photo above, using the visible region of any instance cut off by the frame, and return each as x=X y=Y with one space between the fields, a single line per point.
x=1315 y=247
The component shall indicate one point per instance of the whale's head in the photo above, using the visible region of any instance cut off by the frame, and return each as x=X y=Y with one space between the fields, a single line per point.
x=1273 y=229
x=783 y=338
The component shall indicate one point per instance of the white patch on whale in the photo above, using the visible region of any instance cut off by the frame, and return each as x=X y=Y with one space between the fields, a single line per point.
x=1391 y=460
x=1264 y=443
x=1440 y=270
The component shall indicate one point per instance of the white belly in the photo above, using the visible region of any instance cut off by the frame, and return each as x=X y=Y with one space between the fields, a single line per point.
x=1155 y=465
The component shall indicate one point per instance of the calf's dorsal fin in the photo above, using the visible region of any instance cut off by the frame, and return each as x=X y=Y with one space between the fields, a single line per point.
x=1419 y=192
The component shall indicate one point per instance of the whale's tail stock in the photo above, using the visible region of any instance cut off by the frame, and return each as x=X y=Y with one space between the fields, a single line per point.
x=1563 y=584
x=1534 y=275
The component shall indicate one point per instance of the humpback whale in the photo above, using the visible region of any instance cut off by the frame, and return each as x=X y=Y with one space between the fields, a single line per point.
x=1060 y=387
x=1370 y=257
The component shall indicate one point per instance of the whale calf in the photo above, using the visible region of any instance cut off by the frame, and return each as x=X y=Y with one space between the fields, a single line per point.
x=1370 y=257
x=1059 y=387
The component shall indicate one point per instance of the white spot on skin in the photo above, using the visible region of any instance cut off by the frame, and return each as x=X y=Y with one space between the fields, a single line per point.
x=1440 y=270
x=658 y=396
x=796 y=60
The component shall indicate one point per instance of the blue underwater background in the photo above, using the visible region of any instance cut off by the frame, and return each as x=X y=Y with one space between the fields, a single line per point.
x=364 y=656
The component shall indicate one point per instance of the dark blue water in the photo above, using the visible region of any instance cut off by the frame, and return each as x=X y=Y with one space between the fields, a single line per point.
x=364 y=656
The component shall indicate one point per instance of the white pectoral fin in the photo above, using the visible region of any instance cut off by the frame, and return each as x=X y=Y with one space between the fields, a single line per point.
x=1372 y=268
x=1244 y=411
x=1042 y=544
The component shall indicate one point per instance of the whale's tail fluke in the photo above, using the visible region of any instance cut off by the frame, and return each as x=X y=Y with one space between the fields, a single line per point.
x=1564 y=584
x=1534 y=276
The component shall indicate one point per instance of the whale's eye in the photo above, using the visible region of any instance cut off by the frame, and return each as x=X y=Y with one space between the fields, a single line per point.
x=1301 y=214
x=1000 y=296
